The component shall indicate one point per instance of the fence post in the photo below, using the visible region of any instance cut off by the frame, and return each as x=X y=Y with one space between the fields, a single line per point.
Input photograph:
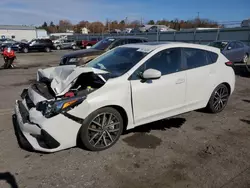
x=195 y=35
x=218 y=34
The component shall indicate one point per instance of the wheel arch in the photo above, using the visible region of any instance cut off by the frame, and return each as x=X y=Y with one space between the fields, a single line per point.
x=123 y=113
x=227 y=85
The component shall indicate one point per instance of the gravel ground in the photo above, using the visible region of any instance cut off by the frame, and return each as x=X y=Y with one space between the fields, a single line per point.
x=191 y=150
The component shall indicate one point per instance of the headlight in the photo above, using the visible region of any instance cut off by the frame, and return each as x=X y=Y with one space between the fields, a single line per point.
x=52 y=108
x=73 y=60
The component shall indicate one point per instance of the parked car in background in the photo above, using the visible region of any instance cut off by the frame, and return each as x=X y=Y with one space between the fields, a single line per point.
x=81 y=57
x=89 y=43
x=6 y=40
x=64 y=44
x=129 y=86
x=36 y=45
x=6 y=43
x=13 y=46
x=235 y=51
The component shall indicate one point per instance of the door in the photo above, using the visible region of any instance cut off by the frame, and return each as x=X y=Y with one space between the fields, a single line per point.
x=201 y=76
x=34 y=45
x=160 y=98
x=239 y=48
x=67 y=44
x=231 y=52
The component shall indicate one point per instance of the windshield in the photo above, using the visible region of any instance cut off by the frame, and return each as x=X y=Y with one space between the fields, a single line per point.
x=118 y=61
x=103 y=44
x=220 y=45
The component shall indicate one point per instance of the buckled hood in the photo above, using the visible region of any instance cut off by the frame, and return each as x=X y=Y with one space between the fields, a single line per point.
x=63 y=77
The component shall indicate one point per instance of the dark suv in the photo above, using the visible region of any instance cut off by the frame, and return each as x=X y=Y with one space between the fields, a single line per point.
x=81 y=57
x=36 y=45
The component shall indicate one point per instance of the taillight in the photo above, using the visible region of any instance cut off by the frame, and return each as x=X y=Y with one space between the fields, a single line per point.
x=229 y=63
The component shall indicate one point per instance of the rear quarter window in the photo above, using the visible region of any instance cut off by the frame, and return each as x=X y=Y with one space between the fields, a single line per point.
x=212 y=56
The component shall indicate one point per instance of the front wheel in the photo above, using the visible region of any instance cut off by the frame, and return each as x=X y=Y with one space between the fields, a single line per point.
x=47 y=49
x=25 y=50
x=218 y=99
x=74 y=47
x=101 y=129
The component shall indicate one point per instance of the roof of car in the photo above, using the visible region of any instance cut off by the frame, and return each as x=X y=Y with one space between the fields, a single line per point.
x=150 y=46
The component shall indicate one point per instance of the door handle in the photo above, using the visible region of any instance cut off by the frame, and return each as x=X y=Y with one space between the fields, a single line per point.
x=179 y=81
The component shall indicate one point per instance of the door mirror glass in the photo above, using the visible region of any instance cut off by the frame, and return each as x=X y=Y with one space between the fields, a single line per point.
x=151 y=74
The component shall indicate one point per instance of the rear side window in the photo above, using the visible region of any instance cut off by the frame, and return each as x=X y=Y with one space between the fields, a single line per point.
x=213 y=56
x=195 y=58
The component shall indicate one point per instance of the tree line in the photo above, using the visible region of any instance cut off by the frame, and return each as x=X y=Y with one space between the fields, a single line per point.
x=99 y=27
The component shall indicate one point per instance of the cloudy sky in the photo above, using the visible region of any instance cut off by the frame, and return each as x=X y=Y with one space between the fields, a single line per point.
x=37 y=11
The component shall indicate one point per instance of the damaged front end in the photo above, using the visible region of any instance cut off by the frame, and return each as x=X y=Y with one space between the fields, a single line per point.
x=42 y=114
x=65 y=88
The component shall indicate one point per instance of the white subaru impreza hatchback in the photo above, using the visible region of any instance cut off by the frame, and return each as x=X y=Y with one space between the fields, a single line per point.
x=126 y=87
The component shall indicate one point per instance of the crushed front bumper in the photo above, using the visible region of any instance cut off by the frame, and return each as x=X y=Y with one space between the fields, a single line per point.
x=31 y=136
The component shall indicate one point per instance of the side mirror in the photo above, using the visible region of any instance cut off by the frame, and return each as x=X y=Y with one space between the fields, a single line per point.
x=151 y=74
x=229 y=47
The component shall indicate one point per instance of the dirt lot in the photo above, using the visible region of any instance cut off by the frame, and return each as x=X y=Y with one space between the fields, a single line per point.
x=192 y=150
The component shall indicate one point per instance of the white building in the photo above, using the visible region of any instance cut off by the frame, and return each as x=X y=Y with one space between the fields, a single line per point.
x=85 y=30
x=18 y=32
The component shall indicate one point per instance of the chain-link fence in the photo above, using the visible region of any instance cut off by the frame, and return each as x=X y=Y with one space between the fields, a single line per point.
x=195 y=36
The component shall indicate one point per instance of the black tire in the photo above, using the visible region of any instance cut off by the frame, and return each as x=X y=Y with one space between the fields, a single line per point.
x=7 y=64
x=47 y=49
x=218 y=99
x=25 y=50
x=91 y=132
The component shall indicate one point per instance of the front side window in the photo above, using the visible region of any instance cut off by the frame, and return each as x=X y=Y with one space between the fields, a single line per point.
x=167 y=61
x=195 y=58
x=118 y=61
x=119 y=43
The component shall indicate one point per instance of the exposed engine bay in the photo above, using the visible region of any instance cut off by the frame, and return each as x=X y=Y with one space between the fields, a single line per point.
x=65 y=88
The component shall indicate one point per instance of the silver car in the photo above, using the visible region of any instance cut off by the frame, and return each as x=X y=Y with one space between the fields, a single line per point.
x=65 y=44
x=235 y=51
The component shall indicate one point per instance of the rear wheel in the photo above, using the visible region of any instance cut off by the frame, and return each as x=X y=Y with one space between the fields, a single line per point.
x=218 y=99
x=58 y=48
x=101 y=129
x=246 y=62
x=73 y=47
x=8 y=63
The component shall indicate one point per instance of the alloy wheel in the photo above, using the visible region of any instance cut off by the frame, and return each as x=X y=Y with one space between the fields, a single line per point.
x=247 y=63
x=104 y=130
x=220 y=98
